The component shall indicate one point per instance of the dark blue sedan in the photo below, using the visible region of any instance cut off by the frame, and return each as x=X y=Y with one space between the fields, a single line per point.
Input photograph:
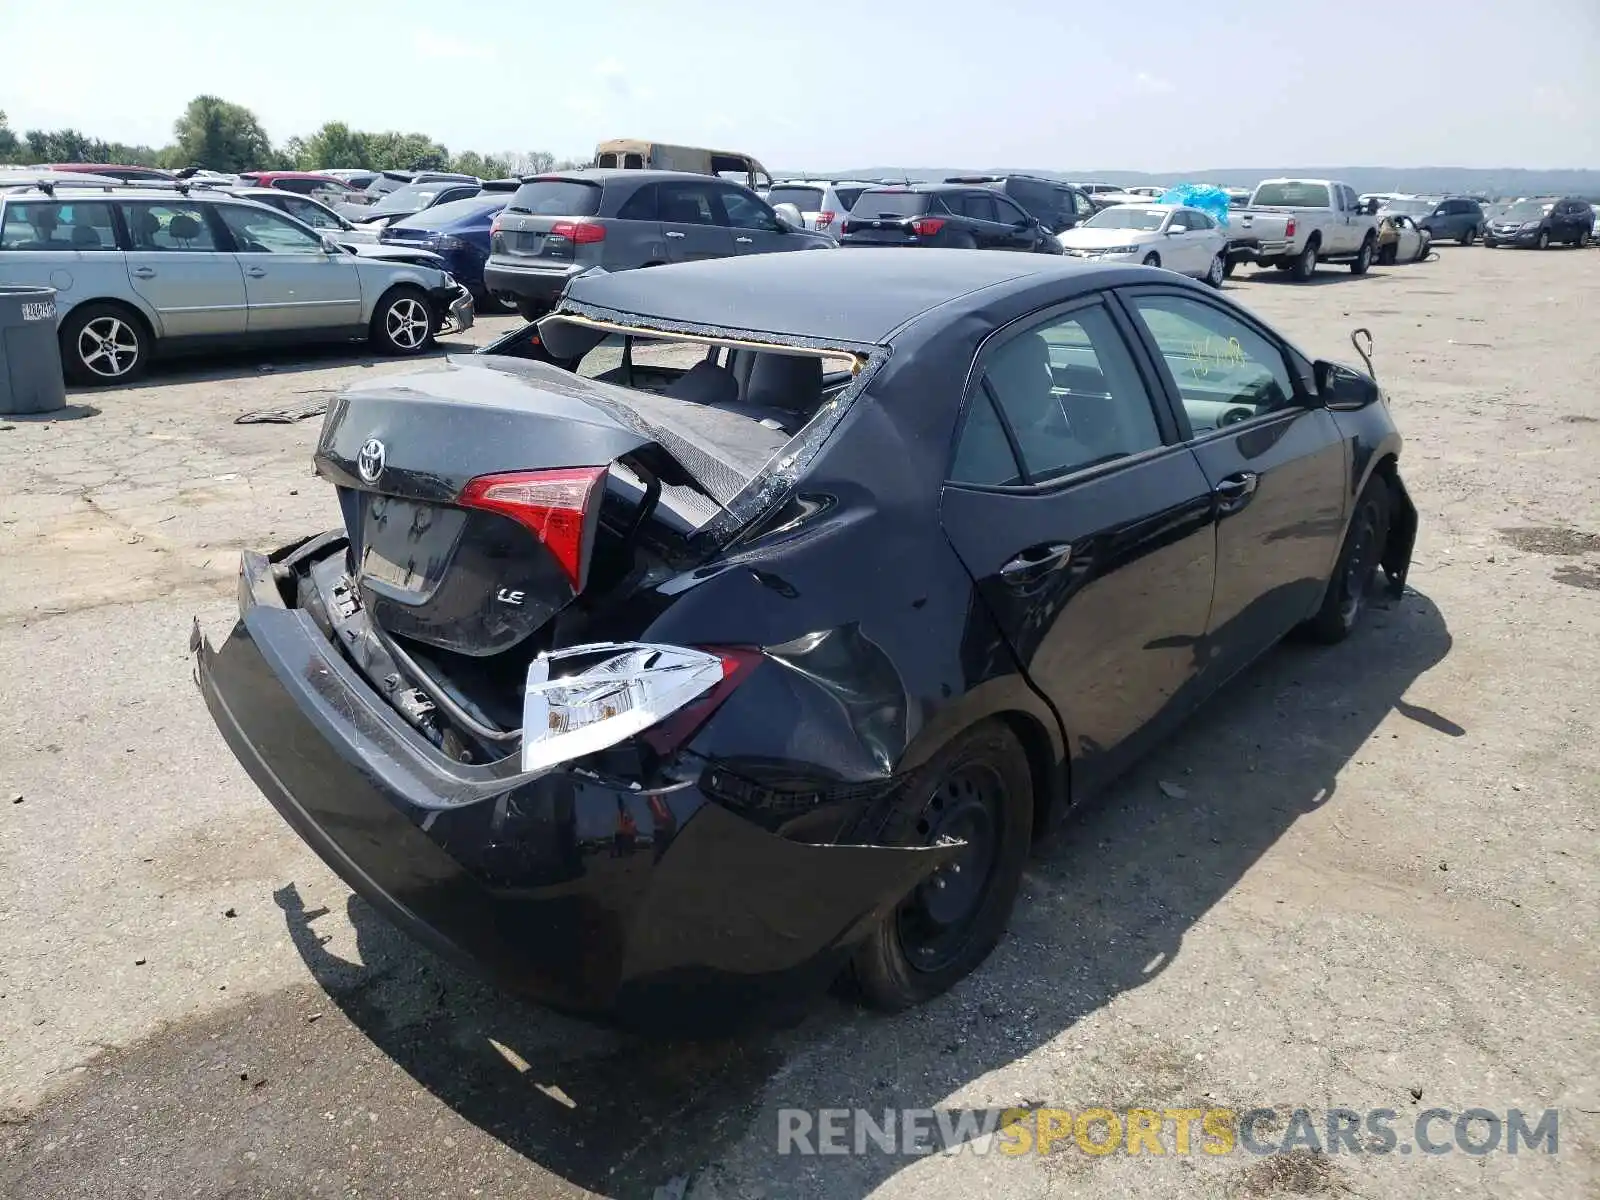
x=459 y=233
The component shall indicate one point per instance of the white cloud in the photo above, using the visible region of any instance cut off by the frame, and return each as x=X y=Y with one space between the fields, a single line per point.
x=1153 y=84
x=432 y=44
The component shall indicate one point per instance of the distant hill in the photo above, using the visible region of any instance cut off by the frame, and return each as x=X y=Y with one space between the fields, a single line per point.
x=1500 y=181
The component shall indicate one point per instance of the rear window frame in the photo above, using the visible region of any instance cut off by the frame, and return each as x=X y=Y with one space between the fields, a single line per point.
x=820 y=193
x=587 y=186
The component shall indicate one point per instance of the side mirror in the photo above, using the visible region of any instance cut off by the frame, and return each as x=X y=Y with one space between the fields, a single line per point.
x=789 y=216
x=331 y=245
x=1344 y=389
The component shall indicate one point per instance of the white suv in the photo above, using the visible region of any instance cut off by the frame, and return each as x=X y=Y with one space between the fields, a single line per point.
x=823 y=203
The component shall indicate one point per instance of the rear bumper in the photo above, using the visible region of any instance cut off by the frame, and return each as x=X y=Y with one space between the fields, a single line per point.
x=663 y=911
x=540 y=285
x=1252 y=250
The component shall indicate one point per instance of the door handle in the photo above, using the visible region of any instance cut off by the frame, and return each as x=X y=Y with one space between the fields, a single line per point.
x=1234 y=492
x=673 y=233
x=256 y=272
x=1036 y=560
x=144 y=272
x=742 y=240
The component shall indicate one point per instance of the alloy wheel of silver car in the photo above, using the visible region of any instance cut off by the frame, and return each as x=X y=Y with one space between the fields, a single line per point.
x=108 y=346
x=1219 y=269
x=407 y=323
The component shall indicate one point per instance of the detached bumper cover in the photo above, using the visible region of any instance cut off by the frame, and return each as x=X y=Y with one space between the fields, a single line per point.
x=660 y=910
x=456 y=308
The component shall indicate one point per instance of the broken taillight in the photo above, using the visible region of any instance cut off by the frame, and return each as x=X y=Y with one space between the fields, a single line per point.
x=584 y=699
x=581 y=232
x=552 y=505
x=927 y=226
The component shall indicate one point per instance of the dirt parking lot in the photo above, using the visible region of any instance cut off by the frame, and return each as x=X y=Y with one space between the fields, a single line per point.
x=1365 y=877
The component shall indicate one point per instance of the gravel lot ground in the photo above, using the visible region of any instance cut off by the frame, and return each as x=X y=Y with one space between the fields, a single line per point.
x=1370 y=880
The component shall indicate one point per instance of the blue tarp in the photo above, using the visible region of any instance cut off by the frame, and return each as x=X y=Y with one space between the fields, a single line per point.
x=1207 y=199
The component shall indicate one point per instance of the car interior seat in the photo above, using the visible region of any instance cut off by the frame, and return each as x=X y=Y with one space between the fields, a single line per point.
x=143 y=227
x=184 y=230
x=85 y=237
x=1024 y=384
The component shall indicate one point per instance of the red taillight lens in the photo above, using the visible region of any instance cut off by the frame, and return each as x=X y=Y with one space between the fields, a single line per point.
x=552 y=505
x=1288 y=228
x=825 y=218
x=581 y=232
x=927 y=226
x=681 y=726
x=494 y=226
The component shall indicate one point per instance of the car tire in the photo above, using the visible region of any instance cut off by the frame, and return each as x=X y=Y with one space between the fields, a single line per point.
x=977 y=788
x=1218 y=271
x=1466 y=239
x=492 y=305
x=1151 y=260
x=1544 y=240
x=1227 y=268
x=1583 y=239
x=1305 y=264
x=104 y=343
x=1357 y=565
x=404 y=322
x=1363 y=258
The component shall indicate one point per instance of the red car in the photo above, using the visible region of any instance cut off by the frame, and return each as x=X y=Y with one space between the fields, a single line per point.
x=127 y=174
x=303 y=183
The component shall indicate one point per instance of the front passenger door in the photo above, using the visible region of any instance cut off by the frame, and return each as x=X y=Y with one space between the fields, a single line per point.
x=756 y=228
x=290 y=281
x=1022 y=232
x=1273 y=457
x=1093 y=551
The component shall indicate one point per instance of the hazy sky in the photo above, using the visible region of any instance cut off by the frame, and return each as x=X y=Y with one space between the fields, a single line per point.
x=1063 y=84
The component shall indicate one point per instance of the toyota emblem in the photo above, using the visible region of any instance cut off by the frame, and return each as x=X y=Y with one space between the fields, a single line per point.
x=369 y=463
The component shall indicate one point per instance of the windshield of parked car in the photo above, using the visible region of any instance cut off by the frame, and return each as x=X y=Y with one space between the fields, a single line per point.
x=1128 y=216
x=892 y=202
x=1411 y=208
x=557 y=198
x=1292 y=194
x=414 y=197
x=457 y=212
x=1529 y=210
x=806 y=199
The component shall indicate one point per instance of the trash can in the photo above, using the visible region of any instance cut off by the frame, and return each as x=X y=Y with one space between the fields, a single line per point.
x=30 y=354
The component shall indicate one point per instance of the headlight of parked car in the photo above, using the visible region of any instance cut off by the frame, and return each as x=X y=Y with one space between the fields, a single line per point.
x=1118 y=250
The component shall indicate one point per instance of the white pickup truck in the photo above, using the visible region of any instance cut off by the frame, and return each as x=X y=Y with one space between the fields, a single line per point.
x=1297 y=223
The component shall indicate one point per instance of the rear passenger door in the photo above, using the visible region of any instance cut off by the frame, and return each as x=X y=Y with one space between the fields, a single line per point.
x=179 y=266
x=691 y=221
x=756 y=228
x=1086 y=528
x=1272 y=456
x=1021 y=230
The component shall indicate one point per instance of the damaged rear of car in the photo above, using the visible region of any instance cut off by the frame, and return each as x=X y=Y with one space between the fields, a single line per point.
x=577 y=693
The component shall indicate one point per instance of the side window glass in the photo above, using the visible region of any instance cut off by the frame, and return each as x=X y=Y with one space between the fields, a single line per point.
x=685 y=204
x=174 y=227
x=1224 y=370
x=978 y=206
x=1180 y=221
x=1009 y=212
x=983 y=454
x=311 y=214
x=257 y=231
x=1071 y=395
x=641 y=206
x=746 y=212
x=39 y=226
x=1082 y=205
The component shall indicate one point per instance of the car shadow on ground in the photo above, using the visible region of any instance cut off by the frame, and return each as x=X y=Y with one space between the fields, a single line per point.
x=273 y=361
x=1327 y=274
x=1105 y=909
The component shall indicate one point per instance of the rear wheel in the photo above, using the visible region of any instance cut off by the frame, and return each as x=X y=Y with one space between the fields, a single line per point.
x=1468 y=237
x=1583 y=238
x=104 y=343
x=1305 y=266
x=492 y=304
x=979 y=791
x=1152 y=259
x=1218 y=271
x=1544 y=239
x=1358 y=562
x=403 y=322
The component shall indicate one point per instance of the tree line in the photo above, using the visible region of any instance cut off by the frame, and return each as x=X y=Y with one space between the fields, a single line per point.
x=218 y=135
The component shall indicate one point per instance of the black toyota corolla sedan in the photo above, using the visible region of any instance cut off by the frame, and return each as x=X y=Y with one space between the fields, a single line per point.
x=743 y=622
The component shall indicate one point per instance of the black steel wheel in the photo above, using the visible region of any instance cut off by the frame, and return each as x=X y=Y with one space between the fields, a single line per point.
x=977 y=791
x=1346 y=598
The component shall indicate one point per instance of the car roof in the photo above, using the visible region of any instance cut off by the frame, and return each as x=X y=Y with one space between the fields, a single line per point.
x=604 y=175
x=841 y=296
x=926 y=187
